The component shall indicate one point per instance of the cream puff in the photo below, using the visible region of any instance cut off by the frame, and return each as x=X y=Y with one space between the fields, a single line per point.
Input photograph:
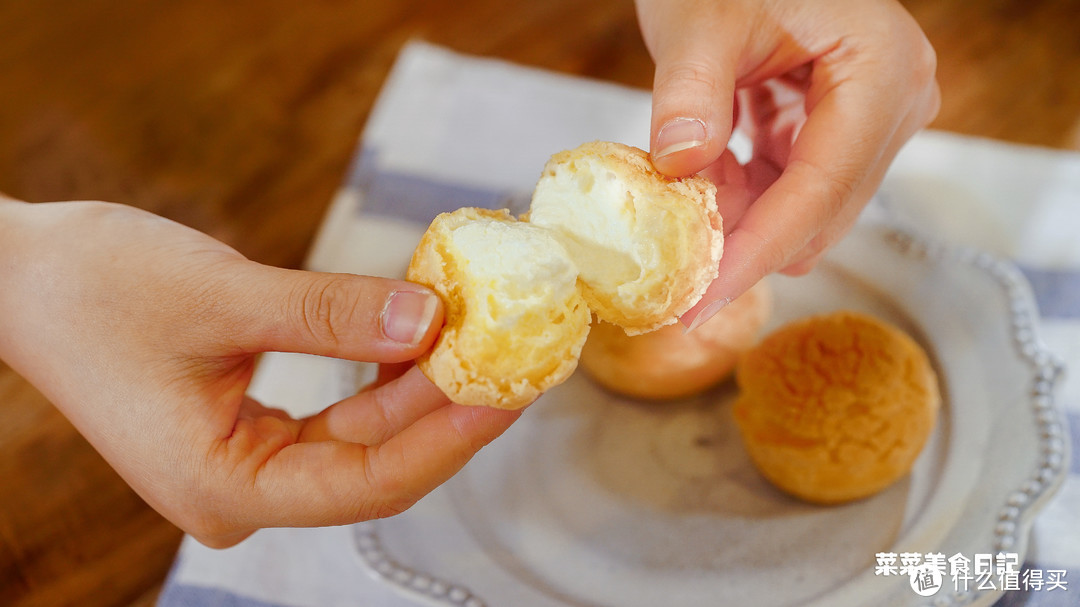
x=605 y=233
x=836 y=407
x=670 y=363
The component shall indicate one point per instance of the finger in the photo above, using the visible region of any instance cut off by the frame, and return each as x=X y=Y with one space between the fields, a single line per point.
x=339 y=315
x=221 y=541
x=388 y=372
x=693 y=94
x=775 y=111
x=433 y=449
x=847 y=137
x=373 y=416
x=738 y=186
x=803 y=265
x=335 y=483
x=806 y=259
x=733 y=194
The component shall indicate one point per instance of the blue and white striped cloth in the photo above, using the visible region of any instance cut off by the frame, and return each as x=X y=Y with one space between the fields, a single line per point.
x=451 y=131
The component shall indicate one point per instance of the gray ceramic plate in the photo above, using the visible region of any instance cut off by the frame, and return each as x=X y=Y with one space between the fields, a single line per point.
x=595 y=500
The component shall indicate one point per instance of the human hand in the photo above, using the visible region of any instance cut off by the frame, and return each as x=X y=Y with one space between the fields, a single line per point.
x=828 y=92
x=145 y=333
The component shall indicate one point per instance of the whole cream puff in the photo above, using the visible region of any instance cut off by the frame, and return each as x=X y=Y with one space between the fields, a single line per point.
x=836 y=407
x=670 y=363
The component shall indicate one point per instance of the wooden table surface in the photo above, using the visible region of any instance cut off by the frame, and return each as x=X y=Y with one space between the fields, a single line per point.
x=238 y=118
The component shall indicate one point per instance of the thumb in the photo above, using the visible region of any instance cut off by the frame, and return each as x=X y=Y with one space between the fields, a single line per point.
x=340 y=315
x=693 y=103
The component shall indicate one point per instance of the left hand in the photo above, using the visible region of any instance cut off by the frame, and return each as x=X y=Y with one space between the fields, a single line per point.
x=145 y=333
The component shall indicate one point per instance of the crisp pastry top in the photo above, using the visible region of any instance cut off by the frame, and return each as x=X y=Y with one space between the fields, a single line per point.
x=836 y=407
x=606 y=233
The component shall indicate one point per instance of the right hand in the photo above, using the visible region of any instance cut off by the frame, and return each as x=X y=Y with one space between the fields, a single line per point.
x=828 y=91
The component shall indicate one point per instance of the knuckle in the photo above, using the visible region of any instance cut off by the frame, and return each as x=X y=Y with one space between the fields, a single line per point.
x=324 y=307
x=923 y=65
x=808 y=258
x=773 y=256
x=387 y=507
x=208 y=529
x=820 y=243
x=216 y=504
x=769 y=254
x=933 y=105
x=688 y=74
x=389 y=493
x=384 y=423
x=837 y=188
x=801 y=268
x=912 y=49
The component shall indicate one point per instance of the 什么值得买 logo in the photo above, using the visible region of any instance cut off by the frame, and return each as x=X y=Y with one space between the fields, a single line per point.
x=928 y=573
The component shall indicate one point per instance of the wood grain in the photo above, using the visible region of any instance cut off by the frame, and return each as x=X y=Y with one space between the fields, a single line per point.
x=239 y=118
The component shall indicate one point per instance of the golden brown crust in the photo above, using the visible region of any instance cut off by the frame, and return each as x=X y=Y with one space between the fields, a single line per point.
x=670 y=363
x=836 y=407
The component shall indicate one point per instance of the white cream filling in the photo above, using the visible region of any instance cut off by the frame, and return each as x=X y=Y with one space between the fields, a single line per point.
x=513 y=268
x=594 y=216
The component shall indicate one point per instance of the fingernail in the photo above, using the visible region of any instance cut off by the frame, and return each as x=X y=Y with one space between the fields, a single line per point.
x=407 y=316
x=706 y=313
x=679 y=134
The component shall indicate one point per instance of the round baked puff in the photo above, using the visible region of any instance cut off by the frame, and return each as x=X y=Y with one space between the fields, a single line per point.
x=836 y=407
x=646 y=245
x=515 y=320
x=670 y=363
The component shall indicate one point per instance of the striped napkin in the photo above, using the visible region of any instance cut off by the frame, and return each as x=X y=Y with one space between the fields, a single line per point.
x=451 y=131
